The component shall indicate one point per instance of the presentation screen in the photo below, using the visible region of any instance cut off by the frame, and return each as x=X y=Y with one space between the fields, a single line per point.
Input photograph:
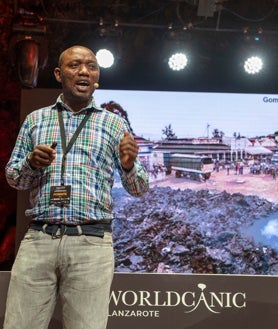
x=212 y=164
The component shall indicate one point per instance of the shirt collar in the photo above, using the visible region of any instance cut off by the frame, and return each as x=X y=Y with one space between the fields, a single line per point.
x=91 y=106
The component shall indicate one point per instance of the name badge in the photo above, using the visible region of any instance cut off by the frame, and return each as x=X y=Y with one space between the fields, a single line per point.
x=60 y=195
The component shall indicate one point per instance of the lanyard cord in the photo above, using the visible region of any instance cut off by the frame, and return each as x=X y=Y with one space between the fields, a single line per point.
x=65 y=147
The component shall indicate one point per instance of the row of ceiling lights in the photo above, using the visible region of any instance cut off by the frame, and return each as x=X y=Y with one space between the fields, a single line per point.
x=179 y=61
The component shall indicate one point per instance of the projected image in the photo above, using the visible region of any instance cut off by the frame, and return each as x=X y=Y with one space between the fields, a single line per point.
x=213 y=202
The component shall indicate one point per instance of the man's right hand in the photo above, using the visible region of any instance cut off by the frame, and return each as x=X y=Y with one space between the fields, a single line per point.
x=41 y=157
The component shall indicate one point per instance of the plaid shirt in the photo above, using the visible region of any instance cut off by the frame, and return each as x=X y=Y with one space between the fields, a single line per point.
x=90 y=164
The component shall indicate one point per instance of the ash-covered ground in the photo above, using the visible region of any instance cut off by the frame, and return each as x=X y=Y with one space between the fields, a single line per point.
x=190 y=231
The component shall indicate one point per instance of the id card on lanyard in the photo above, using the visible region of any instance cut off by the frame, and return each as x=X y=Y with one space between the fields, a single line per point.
x=60 y=194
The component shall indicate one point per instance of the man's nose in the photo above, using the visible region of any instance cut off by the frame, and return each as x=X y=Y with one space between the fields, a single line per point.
x=83 y=69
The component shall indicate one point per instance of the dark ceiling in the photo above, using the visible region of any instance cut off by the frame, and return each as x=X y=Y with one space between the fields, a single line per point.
x=143 y=33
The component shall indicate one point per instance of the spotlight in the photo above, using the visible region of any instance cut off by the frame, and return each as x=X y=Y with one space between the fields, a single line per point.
x=177 y=61
x=105 y=58
x=253 y=65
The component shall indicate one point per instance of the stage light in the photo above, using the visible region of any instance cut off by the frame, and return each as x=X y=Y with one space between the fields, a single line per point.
x=105 y=58
x=253 y=65
x=178 y=61
x=28 y=47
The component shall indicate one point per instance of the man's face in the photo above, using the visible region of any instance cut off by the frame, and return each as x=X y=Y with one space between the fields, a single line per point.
x=77 y=73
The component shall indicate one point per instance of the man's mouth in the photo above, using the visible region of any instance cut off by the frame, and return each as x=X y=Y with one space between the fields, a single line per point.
x=83 y=83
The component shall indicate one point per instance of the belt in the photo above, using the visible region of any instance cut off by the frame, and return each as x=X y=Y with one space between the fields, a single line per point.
x=58 y=230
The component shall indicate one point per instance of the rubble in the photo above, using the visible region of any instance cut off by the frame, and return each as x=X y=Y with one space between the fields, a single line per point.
x=190 y=231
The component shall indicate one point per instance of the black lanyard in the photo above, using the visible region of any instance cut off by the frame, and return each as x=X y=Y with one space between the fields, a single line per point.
x=65 y=147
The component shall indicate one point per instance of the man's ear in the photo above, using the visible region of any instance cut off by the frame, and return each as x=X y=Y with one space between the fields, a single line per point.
x=57 y=73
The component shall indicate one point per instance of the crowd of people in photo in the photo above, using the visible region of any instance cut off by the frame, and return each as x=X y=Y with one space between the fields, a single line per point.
x=253 y=166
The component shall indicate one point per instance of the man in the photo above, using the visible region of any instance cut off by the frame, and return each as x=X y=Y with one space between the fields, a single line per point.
x=65 y=154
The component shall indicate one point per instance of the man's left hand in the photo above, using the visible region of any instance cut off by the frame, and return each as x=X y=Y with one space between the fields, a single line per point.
x=128 y=150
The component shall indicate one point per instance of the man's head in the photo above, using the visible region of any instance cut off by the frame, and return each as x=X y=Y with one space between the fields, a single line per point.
x=77 y=71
